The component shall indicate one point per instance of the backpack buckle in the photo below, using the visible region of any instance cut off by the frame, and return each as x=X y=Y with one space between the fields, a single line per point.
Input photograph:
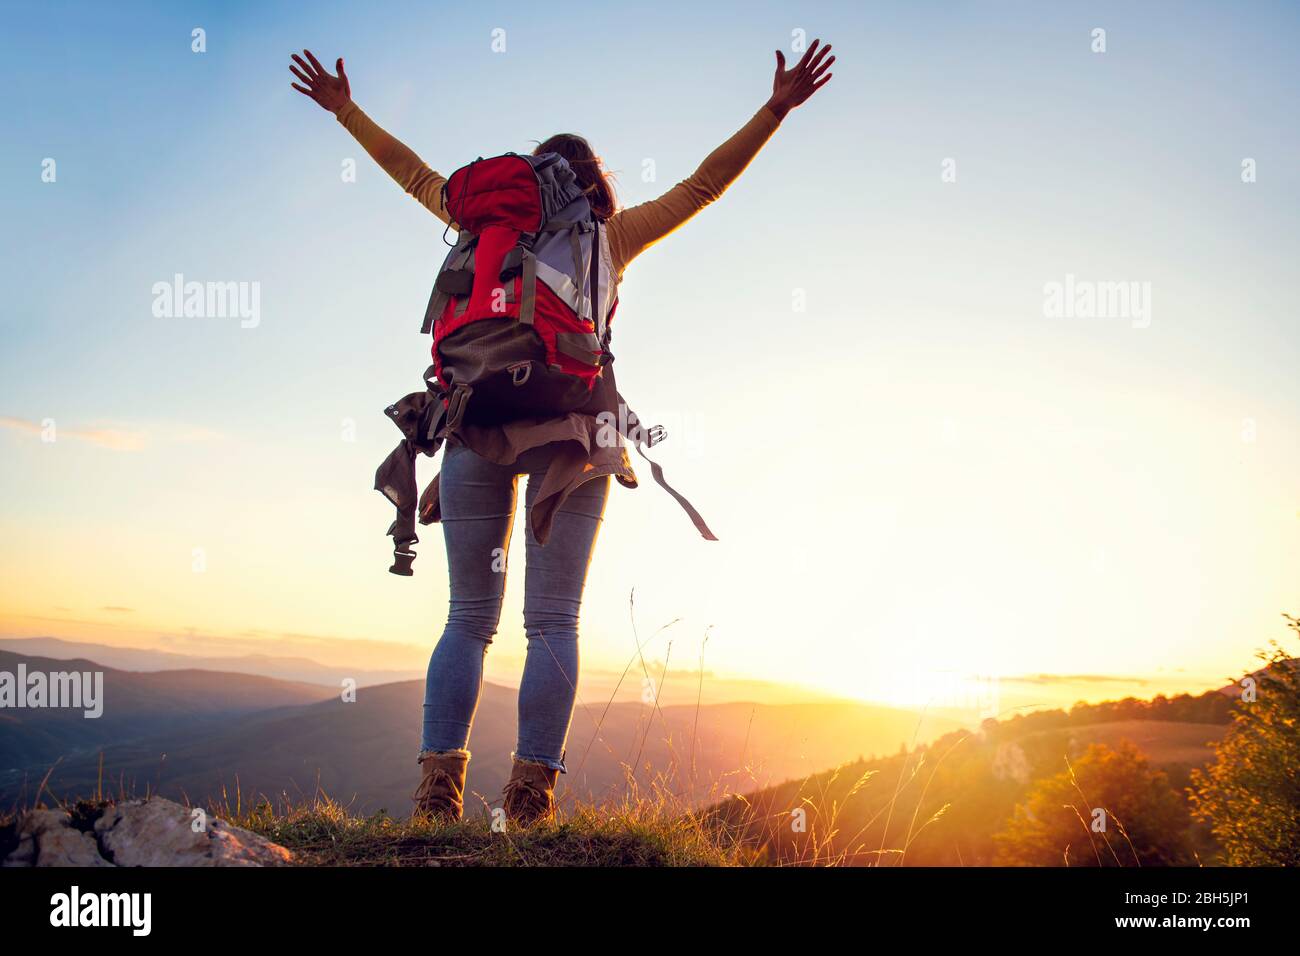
x=456 y=403
x=520 y=372
x=402 y=561
x=512 y=265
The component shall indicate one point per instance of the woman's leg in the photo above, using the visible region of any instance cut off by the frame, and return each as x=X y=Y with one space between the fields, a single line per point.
x=553 y=583
x=478 y=503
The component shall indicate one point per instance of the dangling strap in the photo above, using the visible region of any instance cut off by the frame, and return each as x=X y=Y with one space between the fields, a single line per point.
x=631 y=429
x=421 y=417
x=395 y=479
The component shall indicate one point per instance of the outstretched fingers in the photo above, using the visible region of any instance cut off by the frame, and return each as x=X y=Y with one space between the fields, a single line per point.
x=315 y=62
x=821 y=54
x=312 y=75
x=817 y=73
x=807 y=54
x=330 y=92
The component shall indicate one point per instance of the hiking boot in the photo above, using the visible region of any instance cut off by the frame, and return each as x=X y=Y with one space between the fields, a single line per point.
x=530 y=793
x=441 y=794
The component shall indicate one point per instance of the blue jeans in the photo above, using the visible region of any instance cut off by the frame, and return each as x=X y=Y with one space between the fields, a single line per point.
x=478 y=504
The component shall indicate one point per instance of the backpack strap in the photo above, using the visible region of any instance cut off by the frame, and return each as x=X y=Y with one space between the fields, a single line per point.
x=593 y=280
x=630 y=427
x=528 y=283
x=575 y=229
x=561 y=225
x=599 y=320
x=582 y=347
x=460 y=256
x=575 y=246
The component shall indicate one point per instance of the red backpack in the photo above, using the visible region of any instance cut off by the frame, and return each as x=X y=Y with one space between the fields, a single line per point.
x=520 y=315
x=521 y=309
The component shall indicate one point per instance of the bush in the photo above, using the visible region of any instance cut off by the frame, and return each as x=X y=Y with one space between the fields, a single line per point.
x=1250 y=796
x=1110 y=809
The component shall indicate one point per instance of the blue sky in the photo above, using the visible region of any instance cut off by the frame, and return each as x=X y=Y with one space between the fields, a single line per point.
x=973 y=482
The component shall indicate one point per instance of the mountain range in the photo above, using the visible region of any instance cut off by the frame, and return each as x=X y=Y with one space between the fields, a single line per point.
x=209 y=735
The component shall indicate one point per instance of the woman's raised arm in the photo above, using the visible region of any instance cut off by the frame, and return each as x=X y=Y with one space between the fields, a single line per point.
x=334 y=93
x=634 y=230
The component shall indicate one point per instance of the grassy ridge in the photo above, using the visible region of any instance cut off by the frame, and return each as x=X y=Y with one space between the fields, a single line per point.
x=324 y=834
x=933 y=805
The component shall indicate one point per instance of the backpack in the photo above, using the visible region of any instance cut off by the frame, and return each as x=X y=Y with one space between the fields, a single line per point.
x=521 y=309
x=520 y=316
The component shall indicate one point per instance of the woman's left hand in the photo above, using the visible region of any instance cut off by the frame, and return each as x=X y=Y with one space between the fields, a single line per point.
x=330 y=92
x=790 y=88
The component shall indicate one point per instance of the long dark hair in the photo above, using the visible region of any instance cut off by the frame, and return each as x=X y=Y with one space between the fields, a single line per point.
x=592 y=177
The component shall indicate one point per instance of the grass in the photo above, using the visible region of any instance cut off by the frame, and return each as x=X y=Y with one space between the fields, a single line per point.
x=649 y=826
x=323 y=833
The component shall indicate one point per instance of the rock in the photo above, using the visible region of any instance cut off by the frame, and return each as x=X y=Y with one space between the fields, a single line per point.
x=67 y=846
x=154 y=832
x=157 y=832
x=24 y=854
x=48 y=838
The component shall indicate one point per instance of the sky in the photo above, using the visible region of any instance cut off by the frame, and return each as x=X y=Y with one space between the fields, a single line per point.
x=915 y=464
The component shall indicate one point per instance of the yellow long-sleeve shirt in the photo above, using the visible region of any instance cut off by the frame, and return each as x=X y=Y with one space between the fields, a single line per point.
x=581 y=455
x=631 y=231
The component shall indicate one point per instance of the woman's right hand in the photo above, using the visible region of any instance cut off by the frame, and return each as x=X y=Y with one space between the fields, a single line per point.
x=331 y=92
x=792 y=87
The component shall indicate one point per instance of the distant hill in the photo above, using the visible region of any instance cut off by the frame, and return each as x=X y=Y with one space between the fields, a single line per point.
x=678 y=687
x=135 y=705
x=363 y=753
x=1165 y=742
x=141 y=659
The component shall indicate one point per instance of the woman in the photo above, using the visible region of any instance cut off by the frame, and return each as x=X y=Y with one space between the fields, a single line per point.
x=568 y=469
